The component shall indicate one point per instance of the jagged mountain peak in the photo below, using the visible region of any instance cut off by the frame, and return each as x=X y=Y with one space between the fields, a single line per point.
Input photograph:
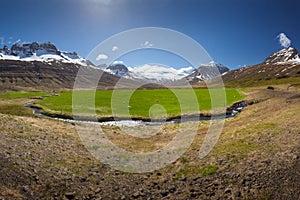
x=288 y=54
x=44 y=52
x=207 y=71
x=117 y=69
x=24 y=50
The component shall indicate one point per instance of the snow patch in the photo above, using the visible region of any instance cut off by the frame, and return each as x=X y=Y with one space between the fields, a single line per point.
x=48 y=58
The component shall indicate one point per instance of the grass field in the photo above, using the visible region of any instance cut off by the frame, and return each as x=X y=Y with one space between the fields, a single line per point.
x=139 y=103
x=12 y=102
x=20 y=94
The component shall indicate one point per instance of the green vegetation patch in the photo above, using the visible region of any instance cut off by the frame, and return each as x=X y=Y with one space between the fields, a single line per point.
x=208 y=170
x=237 y=148
x=259 y=128
x=15 y=109
x=158 y=103
x=12 y=102
x=194 y=170
x=21 y=94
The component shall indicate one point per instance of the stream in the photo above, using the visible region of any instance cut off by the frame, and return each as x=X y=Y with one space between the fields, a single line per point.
x=231 y=111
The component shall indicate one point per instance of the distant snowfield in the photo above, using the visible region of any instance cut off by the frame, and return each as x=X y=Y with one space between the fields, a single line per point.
x=160 y=73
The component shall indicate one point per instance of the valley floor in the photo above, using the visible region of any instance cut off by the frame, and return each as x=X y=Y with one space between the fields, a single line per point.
x=256 y=157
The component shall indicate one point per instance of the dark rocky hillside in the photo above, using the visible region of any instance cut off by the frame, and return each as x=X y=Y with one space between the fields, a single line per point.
x=16 y=74
x=30 y=66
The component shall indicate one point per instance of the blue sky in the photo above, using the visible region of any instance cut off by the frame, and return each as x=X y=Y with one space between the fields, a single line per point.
x=233 y=32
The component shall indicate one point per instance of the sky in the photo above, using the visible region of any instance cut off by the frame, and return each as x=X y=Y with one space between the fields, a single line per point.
x=234 y=33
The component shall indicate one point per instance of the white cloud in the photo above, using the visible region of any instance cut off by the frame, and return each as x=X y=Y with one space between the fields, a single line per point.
x=115 y=48
x=284 y=40
x=101 y=57
x=147 y=44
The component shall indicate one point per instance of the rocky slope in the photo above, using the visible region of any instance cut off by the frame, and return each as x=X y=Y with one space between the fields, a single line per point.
x=280 y=65
x=206 y=72
x=284 y=56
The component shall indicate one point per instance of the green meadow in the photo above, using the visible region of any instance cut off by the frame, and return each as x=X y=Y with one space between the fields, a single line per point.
x=156 y=103
x=21 y=94
x=12 y=102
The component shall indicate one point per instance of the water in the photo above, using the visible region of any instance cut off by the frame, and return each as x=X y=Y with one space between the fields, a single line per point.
x=231 y=112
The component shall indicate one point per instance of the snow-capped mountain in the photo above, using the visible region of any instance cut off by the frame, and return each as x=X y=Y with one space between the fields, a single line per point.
x=155 y=73
x=280 y=65
x=117 y=69
x=159 y=73
x=44 y=52
x=286 y=55
x=43 y=66
x=206 y=72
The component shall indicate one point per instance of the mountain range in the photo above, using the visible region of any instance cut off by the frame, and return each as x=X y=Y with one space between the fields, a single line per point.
x=149 y=72
x=44 y=66
x=162 y=74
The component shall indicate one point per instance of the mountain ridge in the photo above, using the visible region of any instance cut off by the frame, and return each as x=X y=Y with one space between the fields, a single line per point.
x=43 y=65
x=148 y=72
x=163 y=74
x=27 y=66
x=282 y=64
x=289 y=54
